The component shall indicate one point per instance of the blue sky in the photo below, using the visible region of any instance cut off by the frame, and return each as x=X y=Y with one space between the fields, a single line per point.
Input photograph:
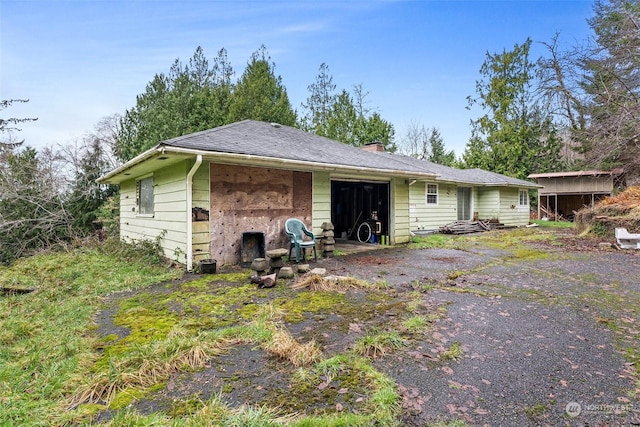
x=78 y=61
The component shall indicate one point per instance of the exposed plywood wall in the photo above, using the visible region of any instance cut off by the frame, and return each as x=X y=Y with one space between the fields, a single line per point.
x=250 y=199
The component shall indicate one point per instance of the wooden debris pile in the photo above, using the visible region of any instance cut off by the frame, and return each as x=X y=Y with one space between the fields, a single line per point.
x=465 y=227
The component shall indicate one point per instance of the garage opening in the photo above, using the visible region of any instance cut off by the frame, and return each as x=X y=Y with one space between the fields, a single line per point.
x=355 y=203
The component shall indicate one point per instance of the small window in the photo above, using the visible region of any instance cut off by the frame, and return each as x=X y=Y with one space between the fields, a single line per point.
x=524 y=197
x=432 y=194
x=145 y=196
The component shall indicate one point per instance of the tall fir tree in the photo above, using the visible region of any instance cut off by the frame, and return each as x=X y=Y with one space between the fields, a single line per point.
x=188 y=99
x=260 y=95
x=513 y=130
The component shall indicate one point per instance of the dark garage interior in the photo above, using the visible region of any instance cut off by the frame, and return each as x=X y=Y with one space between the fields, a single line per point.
x=355 y=202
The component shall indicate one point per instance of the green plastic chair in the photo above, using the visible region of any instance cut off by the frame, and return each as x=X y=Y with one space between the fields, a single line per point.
x=297 y=231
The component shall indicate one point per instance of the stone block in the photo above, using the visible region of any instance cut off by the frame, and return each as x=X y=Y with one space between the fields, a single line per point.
x=276 y=253
x=276 y=263
x=285 y=273
x=260 y=264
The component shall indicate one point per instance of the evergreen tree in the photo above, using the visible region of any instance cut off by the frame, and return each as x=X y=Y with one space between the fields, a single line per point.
x=87 y=196
x=319 y=103
x=513 y=130
x=438 y=153
x=188 y=99
x=260 y=95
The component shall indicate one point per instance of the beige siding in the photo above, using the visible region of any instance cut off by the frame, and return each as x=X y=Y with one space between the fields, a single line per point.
x=400 y=232
x=576 y=184
x=430 y=217
x=169 y=218
x=511 y=214
x=200 y=191
x=321 y=200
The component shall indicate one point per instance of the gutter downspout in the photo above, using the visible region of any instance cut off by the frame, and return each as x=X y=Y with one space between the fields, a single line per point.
x=192 y=172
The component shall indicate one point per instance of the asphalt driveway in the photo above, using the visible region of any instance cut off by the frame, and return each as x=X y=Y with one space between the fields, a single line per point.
x=545 y=328
x=550 y=338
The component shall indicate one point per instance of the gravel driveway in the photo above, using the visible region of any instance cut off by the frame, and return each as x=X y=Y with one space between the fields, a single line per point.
x=544 y=338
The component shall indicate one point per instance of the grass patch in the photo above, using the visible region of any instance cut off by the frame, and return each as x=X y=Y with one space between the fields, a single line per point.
x=554 y=224
x=431 y=241
x=536 y=410
x=453 y=353
x=43 y=340
x=55 y=369
x=416 y=324
x=379 y=344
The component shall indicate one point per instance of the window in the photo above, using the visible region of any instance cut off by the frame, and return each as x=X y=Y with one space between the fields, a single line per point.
x=432 y=194
x=524 y=197
x=144 y=196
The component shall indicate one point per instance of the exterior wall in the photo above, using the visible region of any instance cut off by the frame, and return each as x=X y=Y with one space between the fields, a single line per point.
x=169 y=216
x=430 y=217
x=511 y=214
x=576 y=184
x=399 y=215
x=321 y=198
x=487 y=202
x=200 y=199
x=252 y=199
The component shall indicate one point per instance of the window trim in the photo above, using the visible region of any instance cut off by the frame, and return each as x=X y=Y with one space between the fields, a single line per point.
x=427 y=194
x=139 y=212
x=526 y=197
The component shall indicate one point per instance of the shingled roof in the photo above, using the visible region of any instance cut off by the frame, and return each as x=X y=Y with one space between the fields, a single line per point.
x=272 y=140
x=251 y=140
x=464 y=176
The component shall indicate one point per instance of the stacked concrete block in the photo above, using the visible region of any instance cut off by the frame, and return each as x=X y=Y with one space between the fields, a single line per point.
x=328 y=239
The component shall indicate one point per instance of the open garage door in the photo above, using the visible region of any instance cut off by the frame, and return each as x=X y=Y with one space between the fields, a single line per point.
x=353 y=203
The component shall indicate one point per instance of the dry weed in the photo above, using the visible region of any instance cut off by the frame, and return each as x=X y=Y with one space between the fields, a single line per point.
x=284 y=346
x=318 y=283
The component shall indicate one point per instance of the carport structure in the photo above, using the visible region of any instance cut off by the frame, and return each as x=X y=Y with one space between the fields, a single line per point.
x=564 y=193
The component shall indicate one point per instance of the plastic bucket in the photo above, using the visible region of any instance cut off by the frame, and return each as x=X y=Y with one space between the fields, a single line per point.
x=208 y=266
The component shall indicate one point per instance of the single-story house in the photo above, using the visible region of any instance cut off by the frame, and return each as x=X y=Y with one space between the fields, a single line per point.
x=564 y=193
x=202 y=192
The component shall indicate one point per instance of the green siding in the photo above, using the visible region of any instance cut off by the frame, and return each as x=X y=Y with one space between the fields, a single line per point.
x=487 y=203
x=169 y=211
x=511 y=214
x=430 y=217
x=321 y=200
x=400 y=230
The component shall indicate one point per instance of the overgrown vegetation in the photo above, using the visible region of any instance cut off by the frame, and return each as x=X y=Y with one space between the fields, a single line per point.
x=621 y=210
x=44 y=339
x=56 y=369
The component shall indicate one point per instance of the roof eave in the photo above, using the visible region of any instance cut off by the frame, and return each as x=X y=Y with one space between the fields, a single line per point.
x=235 y=158
x=108 y=177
